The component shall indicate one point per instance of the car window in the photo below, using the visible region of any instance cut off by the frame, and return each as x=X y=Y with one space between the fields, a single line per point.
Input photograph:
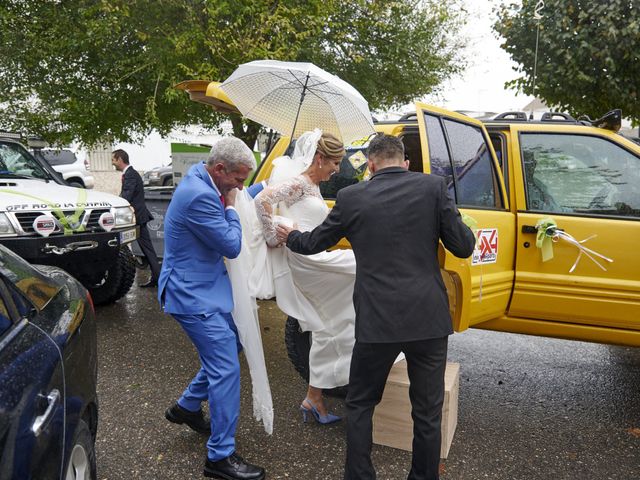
x=438 y=152
x=459 y=153
x=413 y=150
x=579 y=174
x=7 y=310
x=59 y=157
x=23 y=305
x=15 y=161
x=476 y=184
x=500 y=147
x=5 y=319
x=352 y=169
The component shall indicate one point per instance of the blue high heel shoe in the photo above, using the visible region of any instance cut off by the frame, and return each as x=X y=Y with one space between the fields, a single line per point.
x=321 y=419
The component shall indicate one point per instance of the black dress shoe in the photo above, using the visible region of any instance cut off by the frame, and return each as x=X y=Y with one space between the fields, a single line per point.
x=233 y=468
x=194 y=420
x=150 y=283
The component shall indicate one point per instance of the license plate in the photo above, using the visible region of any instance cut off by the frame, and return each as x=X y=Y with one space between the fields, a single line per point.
x=127 y=236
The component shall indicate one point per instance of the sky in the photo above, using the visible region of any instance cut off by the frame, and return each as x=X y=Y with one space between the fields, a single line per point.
x=480 y=88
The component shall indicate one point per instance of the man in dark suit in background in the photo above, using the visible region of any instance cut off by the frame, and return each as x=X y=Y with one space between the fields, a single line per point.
x=394 y=222
x=133 y=191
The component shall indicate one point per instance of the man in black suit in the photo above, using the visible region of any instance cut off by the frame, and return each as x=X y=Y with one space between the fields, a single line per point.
x=394 y=222
x=133 y=191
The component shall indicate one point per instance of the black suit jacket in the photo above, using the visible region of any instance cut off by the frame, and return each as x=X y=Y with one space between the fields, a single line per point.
x=133 y=192
x=394 y=222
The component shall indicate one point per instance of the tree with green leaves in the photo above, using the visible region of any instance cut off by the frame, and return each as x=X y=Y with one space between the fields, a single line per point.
x=96 y=70
x=587 y=55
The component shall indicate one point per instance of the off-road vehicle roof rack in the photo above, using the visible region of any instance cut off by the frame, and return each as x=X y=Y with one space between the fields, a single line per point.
x=11 y=135
x=410 y=117
x=611 y=120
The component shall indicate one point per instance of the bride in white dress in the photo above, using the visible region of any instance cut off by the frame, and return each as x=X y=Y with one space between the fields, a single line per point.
x=317 y=289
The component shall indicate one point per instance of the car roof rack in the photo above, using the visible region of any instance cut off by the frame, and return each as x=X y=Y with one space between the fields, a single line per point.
x=411 y=116
x=30 y=141
x=12 y=135
x=518 y=116
x=547 y=117
x=612 y=120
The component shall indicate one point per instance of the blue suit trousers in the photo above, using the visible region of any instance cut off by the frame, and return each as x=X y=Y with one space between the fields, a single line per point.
x=215 y=337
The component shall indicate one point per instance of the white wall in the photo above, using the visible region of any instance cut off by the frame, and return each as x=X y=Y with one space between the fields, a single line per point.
x=153 y=151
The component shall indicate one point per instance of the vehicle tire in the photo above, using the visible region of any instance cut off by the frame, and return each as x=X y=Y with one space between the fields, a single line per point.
x=141 y=262
x=127 y=264
x=117 y=280
x=167 y=182
x=81 y=464
x=298 y=346
x=76 y=184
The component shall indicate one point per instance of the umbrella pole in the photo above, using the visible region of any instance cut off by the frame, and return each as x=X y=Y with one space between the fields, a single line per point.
x=304 y=92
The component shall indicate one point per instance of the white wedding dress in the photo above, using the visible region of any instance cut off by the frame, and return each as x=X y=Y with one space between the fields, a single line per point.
x=317 y=289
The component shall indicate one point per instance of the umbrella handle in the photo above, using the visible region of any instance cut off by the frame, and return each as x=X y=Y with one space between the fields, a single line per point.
x=304 y=92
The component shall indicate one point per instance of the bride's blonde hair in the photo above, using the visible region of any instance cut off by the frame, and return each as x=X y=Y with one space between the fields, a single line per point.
x=330 y=146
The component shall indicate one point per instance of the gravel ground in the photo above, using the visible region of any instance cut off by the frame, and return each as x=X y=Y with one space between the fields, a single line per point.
x=530 y=408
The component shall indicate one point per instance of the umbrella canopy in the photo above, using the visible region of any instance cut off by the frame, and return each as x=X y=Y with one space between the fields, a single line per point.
x=293 y=97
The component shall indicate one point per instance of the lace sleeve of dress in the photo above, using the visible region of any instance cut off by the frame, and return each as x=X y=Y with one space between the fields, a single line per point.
x=288 y=192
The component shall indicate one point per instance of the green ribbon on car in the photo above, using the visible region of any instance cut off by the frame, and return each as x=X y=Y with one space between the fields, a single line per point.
x=57 y=211
x=544 y=240
x=470 y=222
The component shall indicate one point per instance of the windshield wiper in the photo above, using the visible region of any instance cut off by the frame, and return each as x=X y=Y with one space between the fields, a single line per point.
x=7 y=174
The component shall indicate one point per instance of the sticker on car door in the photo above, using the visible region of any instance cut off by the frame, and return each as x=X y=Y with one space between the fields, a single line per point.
x=486 y=250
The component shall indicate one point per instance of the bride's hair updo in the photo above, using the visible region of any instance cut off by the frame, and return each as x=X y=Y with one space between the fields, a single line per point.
x=330 y=146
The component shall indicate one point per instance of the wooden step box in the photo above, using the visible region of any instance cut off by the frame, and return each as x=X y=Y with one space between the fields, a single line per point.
x=392 y=423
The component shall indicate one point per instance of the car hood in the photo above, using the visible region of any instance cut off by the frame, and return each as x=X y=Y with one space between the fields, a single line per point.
x=18 y=195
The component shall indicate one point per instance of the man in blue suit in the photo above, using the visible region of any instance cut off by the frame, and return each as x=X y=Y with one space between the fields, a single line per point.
x=200 y=228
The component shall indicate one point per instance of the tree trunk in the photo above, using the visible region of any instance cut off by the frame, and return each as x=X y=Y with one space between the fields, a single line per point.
x=247 y=131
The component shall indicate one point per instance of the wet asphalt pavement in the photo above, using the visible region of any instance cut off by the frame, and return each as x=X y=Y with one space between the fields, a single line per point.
x=530 y=408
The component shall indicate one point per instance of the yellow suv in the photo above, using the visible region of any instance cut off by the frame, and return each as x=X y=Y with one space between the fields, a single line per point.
x=556 y=207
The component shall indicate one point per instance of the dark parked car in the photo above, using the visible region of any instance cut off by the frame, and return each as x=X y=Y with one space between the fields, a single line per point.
x=158 y=177
x=48 y=374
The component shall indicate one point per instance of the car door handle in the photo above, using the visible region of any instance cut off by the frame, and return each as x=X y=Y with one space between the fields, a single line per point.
x=534 y=230
x=41 y=421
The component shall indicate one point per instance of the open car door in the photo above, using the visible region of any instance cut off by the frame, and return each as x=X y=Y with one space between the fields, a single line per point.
x=458 y=148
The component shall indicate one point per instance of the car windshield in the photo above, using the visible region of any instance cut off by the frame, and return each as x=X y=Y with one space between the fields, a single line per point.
x=59 y=157
x=16 y=162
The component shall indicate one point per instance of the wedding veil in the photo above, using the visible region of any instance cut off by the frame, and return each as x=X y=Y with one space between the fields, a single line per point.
x=251 y=275
x=287 y=167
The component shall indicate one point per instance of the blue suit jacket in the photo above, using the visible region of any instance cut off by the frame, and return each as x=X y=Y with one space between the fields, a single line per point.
x=198 y=233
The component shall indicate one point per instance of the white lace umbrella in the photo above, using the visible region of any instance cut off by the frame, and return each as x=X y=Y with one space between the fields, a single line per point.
x=293 y=97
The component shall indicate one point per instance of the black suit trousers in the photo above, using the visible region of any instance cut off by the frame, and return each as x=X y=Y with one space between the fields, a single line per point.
x=370 y=366
x=144 y=240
